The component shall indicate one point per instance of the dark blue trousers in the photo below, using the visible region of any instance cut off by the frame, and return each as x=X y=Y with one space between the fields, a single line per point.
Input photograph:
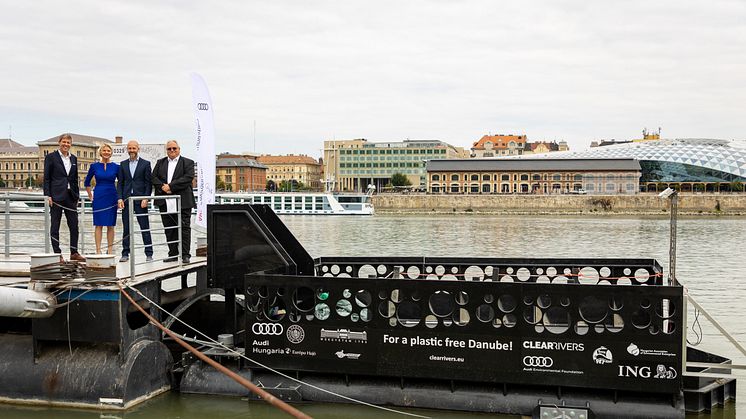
x=144 y=225
x=71 y=215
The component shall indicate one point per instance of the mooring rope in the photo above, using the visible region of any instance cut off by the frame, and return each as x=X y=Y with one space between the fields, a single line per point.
x=221 y=345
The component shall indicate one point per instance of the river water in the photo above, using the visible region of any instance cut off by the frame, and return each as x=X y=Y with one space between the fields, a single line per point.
x=711 y=263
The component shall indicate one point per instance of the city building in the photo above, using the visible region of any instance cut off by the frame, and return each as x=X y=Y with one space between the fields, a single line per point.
x=540 y=147
x=498 y=145
x=646 y=136
x=85 y=148
x=289 y=168
x=687 y=164
x=352 y=165
x=240 y=173
x=18 y=164
x=533 y=176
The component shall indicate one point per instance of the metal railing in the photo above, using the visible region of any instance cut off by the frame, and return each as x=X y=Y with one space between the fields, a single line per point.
x=14 y=203
x=135 y=230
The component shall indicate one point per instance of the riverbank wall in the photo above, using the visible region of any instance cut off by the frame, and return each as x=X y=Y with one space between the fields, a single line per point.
x=641 y=204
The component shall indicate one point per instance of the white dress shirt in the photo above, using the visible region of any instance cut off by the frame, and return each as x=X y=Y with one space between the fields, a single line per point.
x=133 y=166
x=171 y=203
x=67 y=163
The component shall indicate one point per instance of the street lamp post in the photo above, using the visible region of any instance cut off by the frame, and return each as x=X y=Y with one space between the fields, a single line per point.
x=674 y=198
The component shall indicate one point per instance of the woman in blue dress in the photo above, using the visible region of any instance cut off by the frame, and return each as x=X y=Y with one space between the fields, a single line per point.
x=105 y=198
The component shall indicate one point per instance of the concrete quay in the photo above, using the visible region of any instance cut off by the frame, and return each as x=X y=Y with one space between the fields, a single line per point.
x=641 y=204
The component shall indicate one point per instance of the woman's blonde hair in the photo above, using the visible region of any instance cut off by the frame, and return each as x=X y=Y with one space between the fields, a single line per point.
x=100 y=149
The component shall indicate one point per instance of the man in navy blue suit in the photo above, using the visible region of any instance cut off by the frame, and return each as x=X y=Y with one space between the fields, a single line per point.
x=62 y=189
x=134 y=179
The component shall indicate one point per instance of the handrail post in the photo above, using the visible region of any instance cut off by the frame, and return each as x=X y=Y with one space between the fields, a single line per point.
x=178 y=223
x=131 y=216
x=47 y=226
x=7 y=224
x=81 y=227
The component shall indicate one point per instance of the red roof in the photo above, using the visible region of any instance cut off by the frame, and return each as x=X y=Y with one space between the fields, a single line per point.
x=499 y=141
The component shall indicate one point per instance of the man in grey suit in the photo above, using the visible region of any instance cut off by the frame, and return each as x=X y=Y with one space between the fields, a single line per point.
x=134 y=179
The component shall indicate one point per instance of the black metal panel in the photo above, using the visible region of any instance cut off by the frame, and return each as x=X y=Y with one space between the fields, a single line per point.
x=240 y=242
x=99 y=316
x=541 y=270
x=611 y=337
x=303 y=261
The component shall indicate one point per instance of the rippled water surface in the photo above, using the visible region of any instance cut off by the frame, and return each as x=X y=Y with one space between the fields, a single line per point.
x=711 y=264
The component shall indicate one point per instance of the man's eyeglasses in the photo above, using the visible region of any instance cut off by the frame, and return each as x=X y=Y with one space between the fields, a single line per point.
x=172 y=148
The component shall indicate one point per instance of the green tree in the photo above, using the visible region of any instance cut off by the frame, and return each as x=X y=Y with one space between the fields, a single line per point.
x=736 y=186
x=219 y=184
x=2 y=183
x=400 y=179
x=289 y=185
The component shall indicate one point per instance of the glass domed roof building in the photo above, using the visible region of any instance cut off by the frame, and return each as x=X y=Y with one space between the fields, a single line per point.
x=690 y=163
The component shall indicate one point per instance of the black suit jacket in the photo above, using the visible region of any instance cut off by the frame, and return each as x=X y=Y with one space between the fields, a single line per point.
x=139 y=185
x=56 y=179
x=181 y=183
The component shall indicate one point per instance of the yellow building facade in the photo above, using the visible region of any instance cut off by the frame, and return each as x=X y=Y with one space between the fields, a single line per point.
x=301 y=168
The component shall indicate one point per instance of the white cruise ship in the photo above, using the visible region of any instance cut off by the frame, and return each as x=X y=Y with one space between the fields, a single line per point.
x=303 y=203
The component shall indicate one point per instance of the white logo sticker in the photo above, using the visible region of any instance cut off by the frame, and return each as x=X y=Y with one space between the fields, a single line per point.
x=269 y=329
x=602 y=356
x=295 y=334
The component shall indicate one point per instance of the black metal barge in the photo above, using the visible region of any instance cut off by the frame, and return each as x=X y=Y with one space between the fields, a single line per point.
x=514 y=336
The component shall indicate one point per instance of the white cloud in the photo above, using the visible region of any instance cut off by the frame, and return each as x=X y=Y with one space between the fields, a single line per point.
x=383 y=70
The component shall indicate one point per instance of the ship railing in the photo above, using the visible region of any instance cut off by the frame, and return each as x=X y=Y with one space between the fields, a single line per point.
x=555 y=271
x=135 y=235
x=15 y=227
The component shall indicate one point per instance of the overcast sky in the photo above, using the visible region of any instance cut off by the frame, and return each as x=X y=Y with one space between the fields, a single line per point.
x=309 y=71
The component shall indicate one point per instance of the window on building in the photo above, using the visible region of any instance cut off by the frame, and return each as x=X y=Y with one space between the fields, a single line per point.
x=505 y=177
x=486 y=188
x=455 y=188
x=524 y=177
x=556 y=176
x=436 y=177
x=454 y=177
x=435 y=188
x=474 y=189
x=474 y=177
x=485 y=178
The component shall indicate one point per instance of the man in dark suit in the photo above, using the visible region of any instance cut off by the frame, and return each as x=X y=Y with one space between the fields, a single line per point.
x=173 y=175
x=62 y=189
x=134 y=179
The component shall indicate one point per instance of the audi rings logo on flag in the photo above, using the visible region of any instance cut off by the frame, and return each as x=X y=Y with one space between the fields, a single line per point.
x=270 y=329
x=202 y=107
x=538 y=361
